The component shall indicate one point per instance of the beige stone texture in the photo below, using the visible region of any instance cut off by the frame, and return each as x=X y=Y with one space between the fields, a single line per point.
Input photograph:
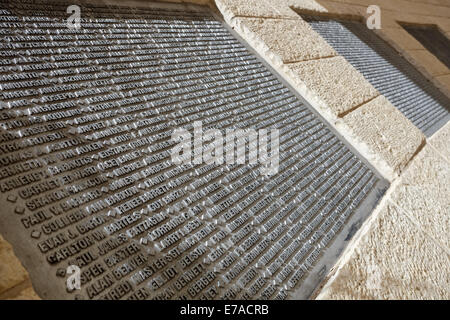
x=394 y=19
x=441 y=141
x=255 y=8
x=402 y=251
x=386 y=131
x=437 y=2
x=12 y=272
x=424 y=192
x=310 y=5
x=400 y=39
x=335 y=82
x=344 y=9
x=394 y=259
x=426 y=60
x=444 y=83
x=146 y=3
x=443 y=24
x=290 y=40
x=403 y=6
x=418 y=8
x=26 y=294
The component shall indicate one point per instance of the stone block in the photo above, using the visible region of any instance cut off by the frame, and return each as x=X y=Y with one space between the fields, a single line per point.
x=386 y=131
x=336 y=82
x=393 y=260
x=441 y=141
x=290 y=40
x=254 y=8
x=12 y=272
x=424 y=193
x=424 y=59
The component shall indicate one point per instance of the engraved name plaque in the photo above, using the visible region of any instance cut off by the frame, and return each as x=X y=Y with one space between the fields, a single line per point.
x=87 y=181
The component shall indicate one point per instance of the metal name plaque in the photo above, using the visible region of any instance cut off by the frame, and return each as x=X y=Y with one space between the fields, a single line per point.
x=92 y=198
x=391 y=74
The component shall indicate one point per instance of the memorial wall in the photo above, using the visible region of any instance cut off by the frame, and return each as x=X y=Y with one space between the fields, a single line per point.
x=90 y=185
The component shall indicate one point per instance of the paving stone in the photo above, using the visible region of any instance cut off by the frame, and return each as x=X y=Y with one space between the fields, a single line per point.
x=336 y=8
x=254 y=8
x=441 y=141
x=303 y=4
x=426 y=60
x=444 y=83
x=26 y=294
x=191 y=69
x=400 y=39
x=386 y=131
x=290 y=40
x=393 y=260
x=335 y=82
x=11 y=270
x=424 y=193
x=404 y=7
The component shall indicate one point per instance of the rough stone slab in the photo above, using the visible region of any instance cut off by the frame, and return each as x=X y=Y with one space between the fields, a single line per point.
x=394 y=259
x=26 y=294
x=291 y=40
x=441 y=141
x=337 y=8
x=394 y=18
x=12 y=272
x=424 y=193
x=426 y=60
x=400 y=39
x=303 y=4
x=386 y=131
x=443 y=23
x=422 y=9
x=336 y=82
x=407 y=7
x=199 y=2
x=433 y=2
x=443 y=82
x=255 y=8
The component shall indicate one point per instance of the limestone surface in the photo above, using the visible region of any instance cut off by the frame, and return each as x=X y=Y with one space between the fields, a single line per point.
x=12 y=272
x=432 y=65
x=336 y=82
x=26 y=294
x=291 y=40
x=441 y=141
x=393 y=260
x=424 y=193
x=386 y=131
x=255 y=8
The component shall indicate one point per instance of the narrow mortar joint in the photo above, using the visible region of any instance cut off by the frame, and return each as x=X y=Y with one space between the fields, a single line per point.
x=343 y=114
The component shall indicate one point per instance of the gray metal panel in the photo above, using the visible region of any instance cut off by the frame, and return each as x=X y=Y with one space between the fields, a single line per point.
x=86 y=117
x=405 y=87
x=432 y=39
